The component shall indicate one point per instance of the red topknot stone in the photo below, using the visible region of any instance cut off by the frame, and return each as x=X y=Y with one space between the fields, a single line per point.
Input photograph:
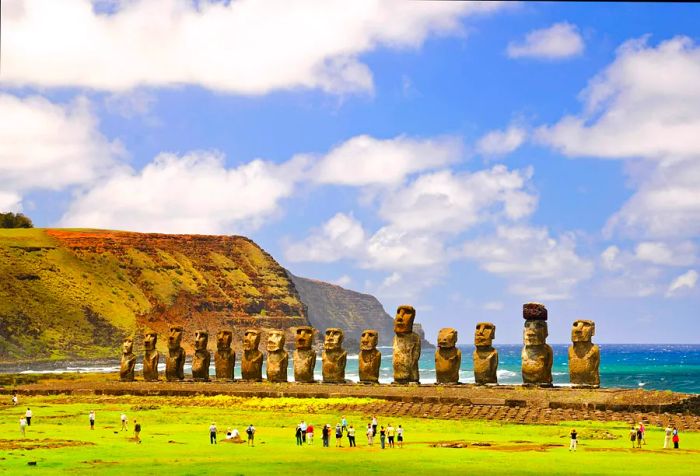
x=534 y=311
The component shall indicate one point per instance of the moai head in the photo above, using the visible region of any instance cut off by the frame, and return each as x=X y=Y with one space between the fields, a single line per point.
x=582 y=330
x=535 y=332
x=251 y=339
x=334 y=339
x=484 y=334
x=275 y=341
x=403 y=322
x=304 y=337
x=201 y=339
x=128 y=346
x=369 y=339
x=175 y=337
x=150 y=339
x=447 y=338
x=223 y=340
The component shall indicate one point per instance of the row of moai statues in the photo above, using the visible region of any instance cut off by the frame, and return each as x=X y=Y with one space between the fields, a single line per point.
x=537 y=356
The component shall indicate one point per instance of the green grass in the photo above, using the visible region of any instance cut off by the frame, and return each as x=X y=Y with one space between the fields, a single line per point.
x=176 y=441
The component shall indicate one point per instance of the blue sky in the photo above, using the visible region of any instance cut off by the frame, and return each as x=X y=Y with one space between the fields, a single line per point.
x=463 y=158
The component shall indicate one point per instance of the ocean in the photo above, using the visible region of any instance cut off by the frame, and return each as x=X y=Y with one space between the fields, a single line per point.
x=673 y=367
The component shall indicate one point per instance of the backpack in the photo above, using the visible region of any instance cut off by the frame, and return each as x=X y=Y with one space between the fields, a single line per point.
x=249 y=431
x=137 y=427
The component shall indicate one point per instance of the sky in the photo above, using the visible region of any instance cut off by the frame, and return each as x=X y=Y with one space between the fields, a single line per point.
x=464 y=158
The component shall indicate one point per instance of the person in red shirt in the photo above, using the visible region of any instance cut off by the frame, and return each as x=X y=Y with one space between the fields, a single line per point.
x=310 y=434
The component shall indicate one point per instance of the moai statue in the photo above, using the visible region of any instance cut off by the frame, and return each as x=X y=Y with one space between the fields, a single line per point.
x=175 y=362
x=584 y=355
x=150 y=357
x=277 y=357
x=126 y=369
x=485 y=356
x=448 y=358
x=370 y=358
x=537 y=356
x=406 y=346
x=251 y=363
x=304 y=355
x=224 y=357
x=334 y=357
x=202 y=357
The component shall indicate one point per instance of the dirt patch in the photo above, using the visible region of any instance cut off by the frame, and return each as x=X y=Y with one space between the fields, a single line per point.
x=46 y=443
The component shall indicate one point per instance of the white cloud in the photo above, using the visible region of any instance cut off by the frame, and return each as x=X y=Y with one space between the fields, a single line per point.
x=243 y=46
x=686 y=280
x=130 y=104
x=340 y=237
x=609 y=258
x=492 y=306
x=498 y=142
x=194 y=193
x=10 y=202
x=365 y=160
x=678 y=254
x=561 y=40
x=343 y=281
x=535 y=264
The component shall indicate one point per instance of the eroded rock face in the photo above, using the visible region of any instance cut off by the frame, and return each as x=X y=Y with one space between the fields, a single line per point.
x=251 y=363
x=150 y=357
x=334 y=357
x=277 y=357
x=406 y=346
x=485 y=356
x=224 y=357
x=201 y=358
x=128 y=362
x=175 y=362
x=370 y=359
x=304 y=355
x=537 y=356
x=448 y=358
x=584 y=355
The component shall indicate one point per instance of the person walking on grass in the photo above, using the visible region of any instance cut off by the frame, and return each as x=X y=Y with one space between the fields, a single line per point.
x=298 y=435
x=639 y=436
x=668 y=433
x=643 y=430
x=633 y=435
x=15 y=400
x=374 y=426
x=574 y=441
x=390 y=431
x=351 y=436
x=338 y=436
x=92 y=419
x=212 y=433
x=304 y=428
x=382 y=436
x=28 y=415
x=310 y=434
x=326 y=434
x=675 y=438
x=250 y=431
x=125 y=427
x=137 y=431
x=23 y=426
x=399 y=436
x=344 y=424
x=370 y=435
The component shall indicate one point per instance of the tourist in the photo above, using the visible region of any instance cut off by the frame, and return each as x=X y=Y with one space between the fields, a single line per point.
x=228 y=433
x=639 y=436
x=124 y=421
x=344 y=424
x=28 y=416
x=325 y=434
x=643 y=430
x=212 y=433
x=92 y=419
x=304 y=428
x=137 y=431
x=633 y=435
x=668 y=433
x=15 y=400
x=250 y=431
x=338 y=436
x=370 y=435
x=676 y=438
x=382 y=436
x=310 y=434
x=374 y=426
x=390 y=435
x=399 y=436
x=22 y=425
x=351 y=436
x=236 y=436
x=574 y=442
x=298 y=435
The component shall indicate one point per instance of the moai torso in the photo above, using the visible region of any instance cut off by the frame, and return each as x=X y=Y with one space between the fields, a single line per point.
x=334 y=357
x=448 y=358
x=537 y=356
x=251 y=363
x=128 y=362
x=150 y=357
x=175 y=362
x=485 y=356
x=406 y=346
x=304 y=355
x=224 y=357
x=370 y=359
x=201 y=358
x=277 y=357
x=584 y=356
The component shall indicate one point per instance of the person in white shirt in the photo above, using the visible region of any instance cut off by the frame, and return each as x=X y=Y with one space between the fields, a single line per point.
x=212 y=433
x=399 y=436
x=92 y=419
x=667 y=437
x=124 y=421
x=22 y=425
x=370 y=434
x=28 y=415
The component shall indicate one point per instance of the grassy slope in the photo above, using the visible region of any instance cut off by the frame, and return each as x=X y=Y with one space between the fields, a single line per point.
x=175 y=441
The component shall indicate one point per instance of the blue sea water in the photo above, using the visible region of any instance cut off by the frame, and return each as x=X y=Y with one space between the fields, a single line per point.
x=673 y=367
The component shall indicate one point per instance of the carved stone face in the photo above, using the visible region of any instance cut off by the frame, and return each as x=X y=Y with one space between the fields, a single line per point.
x=484 y=334
x=223 y=340
x=403 y=322
x=175 y=337
x=275 y=341
x=304 y=337
x=334 y=339
x=369 y=339
x=201 y=339
x=128 y=346
x=535 y=332
x=447 y=338
x=251 y=339
x=150 y=339
x=582 y=331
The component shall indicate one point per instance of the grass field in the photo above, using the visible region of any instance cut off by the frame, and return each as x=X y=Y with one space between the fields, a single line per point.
x=175 y=440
